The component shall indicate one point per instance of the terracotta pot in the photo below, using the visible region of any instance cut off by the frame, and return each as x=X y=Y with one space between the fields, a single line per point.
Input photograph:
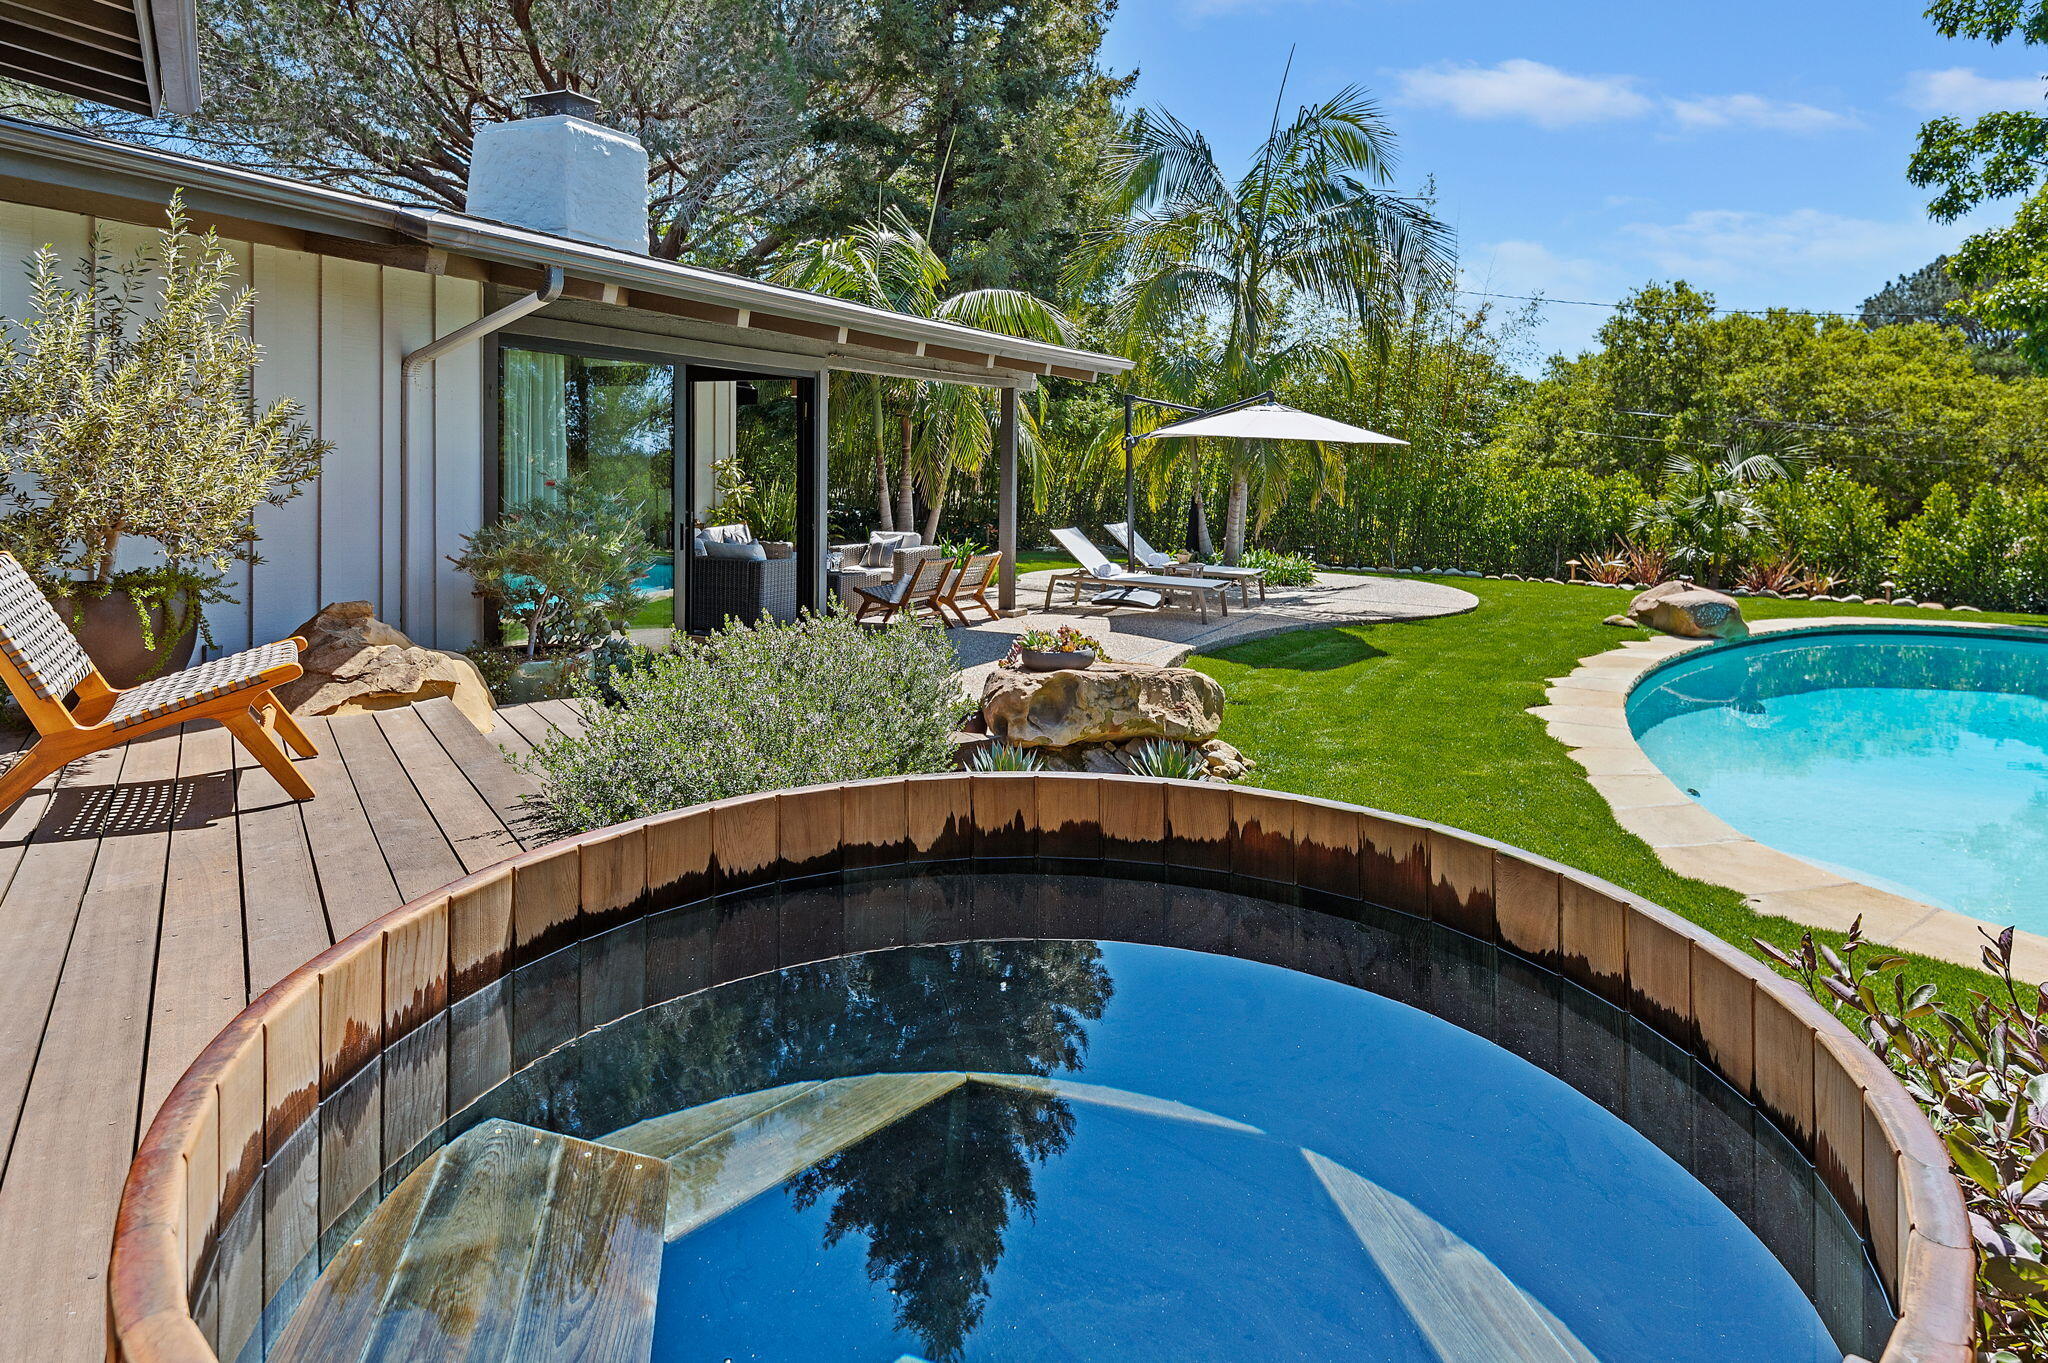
x=1052 y=661
x=109 y=629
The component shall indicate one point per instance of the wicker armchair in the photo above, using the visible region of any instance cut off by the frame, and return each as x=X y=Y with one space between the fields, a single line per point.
x=855 y=573
x=748 y=590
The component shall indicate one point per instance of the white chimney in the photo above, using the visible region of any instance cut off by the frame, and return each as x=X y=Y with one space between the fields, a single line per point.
x=556 y=171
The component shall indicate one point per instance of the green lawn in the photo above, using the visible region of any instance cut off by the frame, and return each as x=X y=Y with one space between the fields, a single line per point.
x=1036 y=560
x=1428 y=718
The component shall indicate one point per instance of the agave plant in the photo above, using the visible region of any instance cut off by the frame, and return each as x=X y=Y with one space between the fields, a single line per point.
x=1979 y=1073
x=1004 y=757
x=1164 y=757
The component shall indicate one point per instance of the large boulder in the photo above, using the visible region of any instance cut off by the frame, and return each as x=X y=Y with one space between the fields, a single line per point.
x=1106 y=703
x=1690 y=611
x=355 y=663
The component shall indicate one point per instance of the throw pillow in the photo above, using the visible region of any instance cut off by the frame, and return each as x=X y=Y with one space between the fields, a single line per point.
x=882 y=547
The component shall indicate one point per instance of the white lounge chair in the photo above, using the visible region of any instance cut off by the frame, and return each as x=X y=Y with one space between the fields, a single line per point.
x=1158 y=562
x=1127 y=588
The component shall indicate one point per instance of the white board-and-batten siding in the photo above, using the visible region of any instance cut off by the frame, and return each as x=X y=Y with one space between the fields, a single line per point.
x=334 y=333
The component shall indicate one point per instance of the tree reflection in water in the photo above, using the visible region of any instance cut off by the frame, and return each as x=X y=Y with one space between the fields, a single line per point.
x=934 y=1194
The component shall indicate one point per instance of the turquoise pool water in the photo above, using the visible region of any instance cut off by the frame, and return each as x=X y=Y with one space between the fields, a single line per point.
x=1915 y=760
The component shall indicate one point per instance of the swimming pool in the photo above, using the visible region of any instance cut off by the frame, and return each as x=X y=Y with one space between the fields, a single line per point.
x=1915 y=760
x=1029 y=1139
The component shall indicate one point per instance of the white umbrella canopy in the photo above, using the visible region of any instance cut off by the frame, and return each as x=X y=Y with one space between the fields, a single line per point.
x=1271 y=421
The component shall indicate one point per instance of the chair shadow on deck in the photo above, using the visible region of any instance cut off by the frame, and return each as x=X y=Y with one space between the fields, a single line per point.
x=85 y=812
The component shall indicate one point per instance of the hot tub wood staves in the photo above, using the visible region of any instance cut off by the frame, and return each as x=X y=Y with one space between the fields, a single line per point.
x=375 y=1009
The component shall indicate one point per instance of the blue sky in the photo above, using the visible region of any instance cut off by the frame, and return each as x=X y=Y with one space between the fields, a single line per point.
x=1581 y=149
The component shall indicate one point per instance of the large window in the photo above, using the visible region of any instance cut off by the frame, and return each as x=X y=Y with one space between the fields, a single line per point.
x=608 y=422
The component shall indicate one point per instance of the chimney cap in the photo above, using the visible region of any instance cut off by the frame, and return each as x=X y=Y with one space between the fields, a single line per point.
x=543 y=103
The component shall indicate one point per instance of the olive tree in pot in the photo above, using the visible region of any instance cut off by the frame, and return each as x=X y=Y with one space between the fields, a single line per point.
x=126 y=416
x=558 y=572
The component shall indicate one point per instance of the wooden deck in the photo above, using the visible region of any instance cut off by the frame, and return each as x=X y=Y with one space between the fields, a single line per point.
x=146 y=895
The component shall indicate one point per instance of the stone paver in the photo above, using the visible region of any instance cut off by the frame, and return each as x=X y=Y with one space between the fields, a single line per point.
x=1586 y=712
x=1674 y=825
x=1887 y=917
x=1638 y=791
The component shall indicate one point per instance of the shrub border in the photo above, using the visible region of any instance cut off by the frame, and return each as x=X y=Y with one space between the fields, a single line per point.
x=260 y=1080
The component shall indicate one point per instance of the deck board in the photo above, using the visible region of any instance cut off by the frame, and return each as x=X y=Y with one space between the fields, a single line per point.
x=145 y=895
x=475 y=832
x=77 y=1129
x=478 y=758
x=355 y=882
x=202 y=978
x=414 y=848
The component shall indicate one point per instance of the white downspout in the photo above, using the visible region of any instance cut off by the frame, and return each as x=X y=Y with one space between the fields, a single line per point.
x=409 y=370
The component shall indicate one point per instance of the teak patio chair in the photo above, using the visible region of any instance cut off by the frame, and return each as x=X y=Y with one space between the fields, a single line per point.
x=75 y=711
x=1159 y=562
x=971 y=585
x=917 y=586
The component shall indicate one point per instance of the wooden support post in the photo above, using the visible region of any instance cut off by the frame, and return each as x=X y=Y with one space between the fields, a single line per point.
x=813 y=473
x=1006 y=501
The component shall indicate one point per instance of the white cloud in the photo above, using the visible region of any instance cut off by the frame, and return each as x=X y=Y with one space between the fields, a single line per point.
x=1756 y=111
x=1720 y=246
x=1964 y=91
x=1522 y=267
x=1524 y=89
x=1549 y=97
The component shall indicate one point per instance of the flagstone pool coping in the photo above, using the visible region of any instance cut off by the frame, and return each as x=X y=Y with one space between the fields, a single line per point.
x=1586 y=712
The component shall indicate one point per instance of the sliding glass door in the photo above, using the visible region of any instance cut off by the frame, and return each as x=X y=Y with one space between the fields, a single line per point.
x=606 y=423
x=687 y=445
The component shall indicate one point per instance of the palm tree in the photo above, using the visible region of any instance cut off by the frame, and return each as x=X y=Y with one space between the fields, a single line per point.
x=1708 y=510
x=1308 y=227
x=930 y=430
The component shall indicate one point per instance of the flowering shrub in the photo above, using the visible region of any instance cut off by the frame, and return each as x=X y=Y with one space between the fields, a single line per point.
x=1979 y=1073
x=756 y=708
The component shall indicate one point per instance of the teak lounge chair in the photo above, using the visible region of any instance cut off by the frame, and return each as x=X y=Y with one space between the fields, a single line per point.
x=919 y=583
x=1125 y=588
x=970 y=585
x=75 y=711
x=1158 y=562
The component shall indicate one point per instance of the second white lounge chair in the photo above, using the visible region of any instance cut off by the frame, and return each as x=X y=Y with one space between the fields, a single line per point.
x=1159 y=562
x=1121 y=581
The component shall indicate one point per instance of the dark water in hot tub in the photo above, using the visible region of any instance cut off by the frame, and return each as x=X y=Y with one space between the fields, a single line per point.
x=1261 y=1162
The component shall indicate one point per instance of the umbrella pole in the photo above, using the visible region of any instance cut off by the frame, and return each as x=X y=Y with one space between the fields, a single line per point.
x=1130 y=488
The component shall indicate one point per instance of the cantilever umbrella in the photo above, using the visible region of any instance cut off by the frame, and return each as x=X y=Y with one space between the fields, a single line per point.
x=1255 y=418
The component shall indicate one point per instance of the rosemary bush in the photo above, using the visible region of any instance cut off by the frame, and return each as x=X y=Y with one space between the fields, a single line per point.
x=756 y=708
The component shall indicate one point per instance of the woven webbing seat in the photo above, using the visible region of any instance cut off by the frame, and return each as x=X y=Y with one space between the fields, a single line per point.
x=75 y=712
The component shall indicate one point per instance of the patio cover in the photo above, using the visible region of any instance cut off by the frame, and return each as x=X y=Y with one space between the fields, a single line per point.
x=1271 y=421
